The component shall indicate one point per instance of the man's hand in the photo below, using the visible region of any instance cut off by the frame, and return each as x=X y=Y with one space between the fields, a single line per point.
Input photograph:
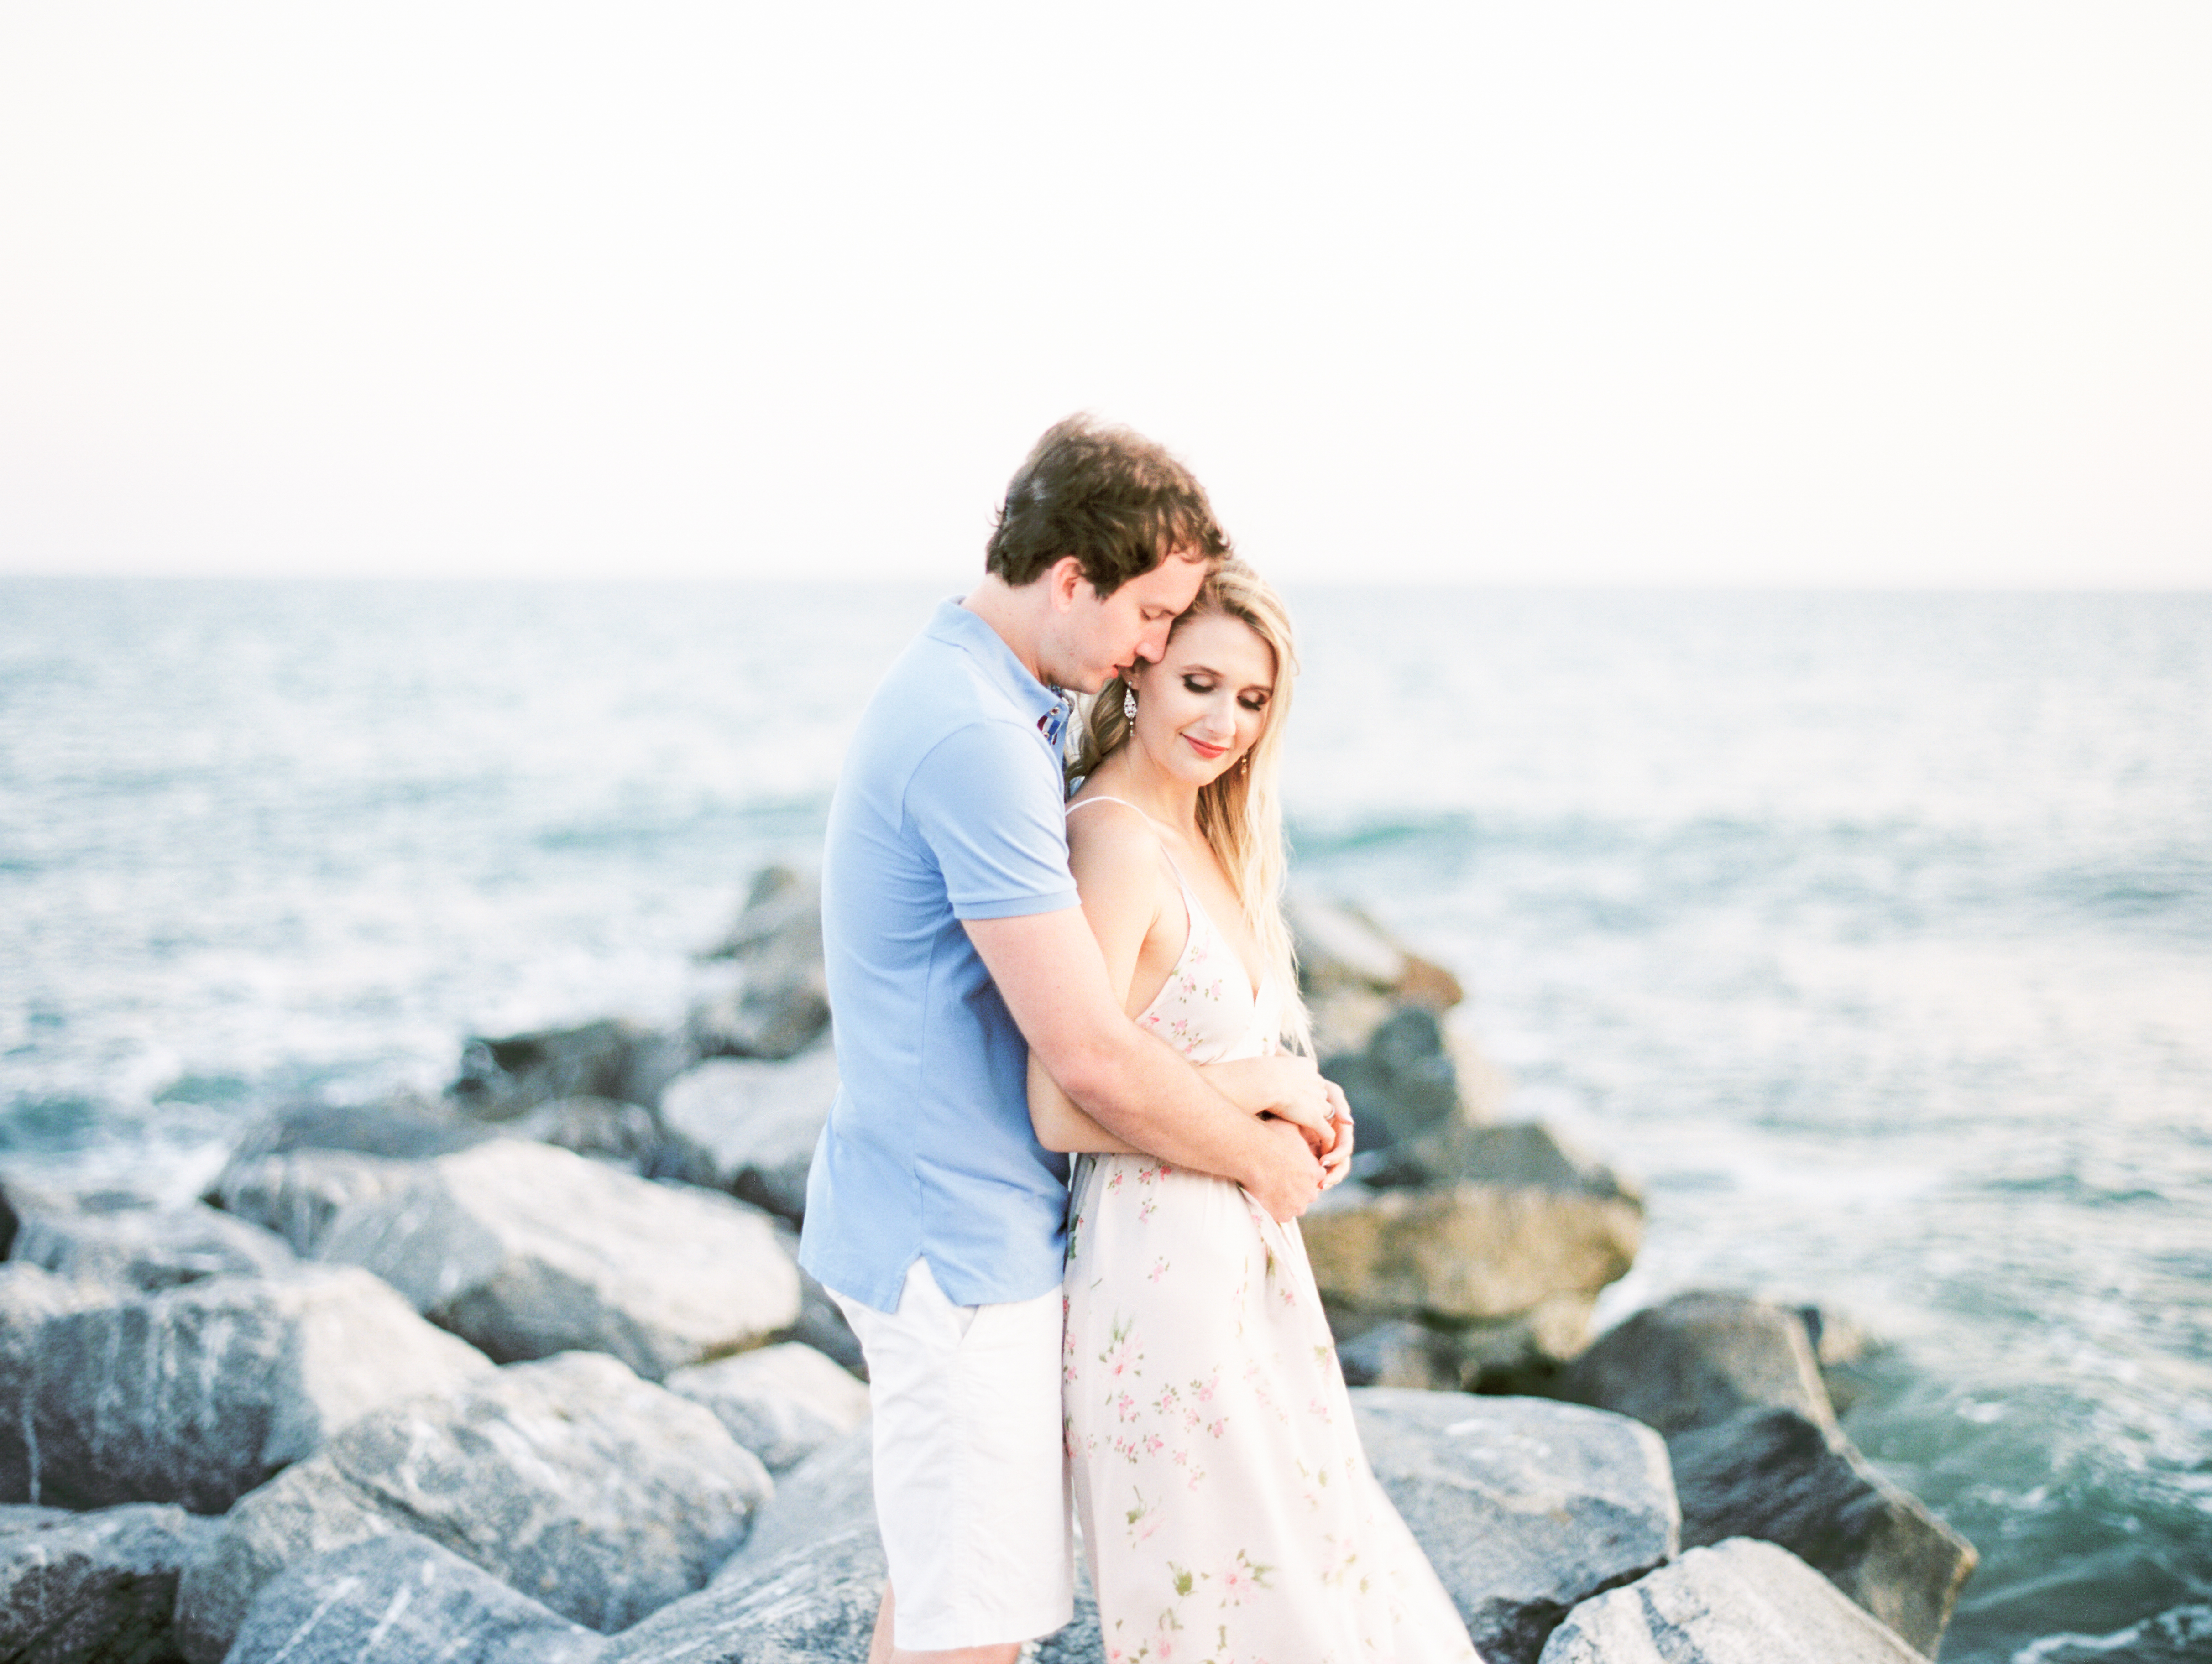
x=1286 y=1178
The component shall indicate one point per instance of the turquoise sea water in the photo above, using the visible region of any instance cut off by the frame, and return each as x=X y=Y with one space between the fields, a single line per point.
x=1874 y=932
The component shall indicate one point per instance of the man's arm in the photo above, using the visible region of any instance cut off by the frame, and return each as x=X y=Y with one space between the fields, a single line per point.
x=1049 y=969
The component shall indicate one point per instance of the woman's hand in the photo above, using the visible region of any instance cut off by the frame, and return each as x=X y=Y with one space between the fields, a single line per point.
x=1336 y=1160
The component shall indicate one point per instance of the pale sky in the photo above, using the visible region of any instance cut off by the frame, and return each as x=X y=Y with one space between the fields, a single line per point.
x=1768 y=293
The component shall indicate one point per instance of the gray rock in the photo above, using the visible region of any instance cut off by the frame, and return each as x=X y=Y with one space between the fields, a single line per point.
x=1403 y=1085
x=1341 y=948
x=808 y=1584
x=1778 y=1476
x=298 y=1192
x=404 y=1127
x=629 y=1135
x=399 y=1599
x=1398 y=1353
x=92 y=1588
x=822 y=1325
x=1525 y=1507
x=782 y=1006
x=1742 y=1602
x=28 y=1296
x=1699 y=1359
x=610 y=1058
x=600 y=1495
x=1469 y=1252
x=757 y=1121
x=782 y=1403
x=832 y=1490
x=1734 y=1384
x=810 y=1603
x=147 y=1248
x=527 y=1250
x=198 y=1394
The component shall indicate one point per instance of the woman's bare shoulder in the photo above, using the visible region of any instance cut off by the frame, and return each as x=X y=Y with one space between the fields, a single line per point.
x=1112 y=842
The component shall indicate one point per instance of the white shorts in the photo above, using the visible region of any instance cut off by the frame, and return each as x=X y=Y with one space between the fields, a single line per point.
x=971 y=1470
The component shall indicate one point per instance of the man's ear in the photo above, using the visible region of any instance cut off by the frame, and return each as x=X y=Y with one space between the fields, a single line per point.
x=1064 y=574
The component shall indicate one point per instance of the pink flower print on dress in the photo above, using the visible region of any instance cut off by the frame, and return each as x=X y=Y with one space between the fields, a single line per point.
x=1159 y=1270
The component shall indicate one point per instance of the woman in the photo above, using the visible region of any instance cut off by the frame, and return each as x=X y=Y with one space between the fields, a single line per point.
x=1227 y=1511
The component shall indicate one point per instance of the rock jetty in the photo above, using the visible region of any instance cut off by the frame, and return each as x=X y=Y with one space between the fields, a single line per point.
x=525 y=1373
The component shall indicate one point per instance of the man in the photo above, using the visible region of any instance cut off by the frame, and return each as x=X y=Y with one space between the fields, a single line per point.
x=955 y=943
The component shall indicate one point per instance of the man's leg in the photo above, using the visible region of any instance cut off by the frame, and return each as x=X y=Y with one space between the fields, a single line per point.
x=970 y=1476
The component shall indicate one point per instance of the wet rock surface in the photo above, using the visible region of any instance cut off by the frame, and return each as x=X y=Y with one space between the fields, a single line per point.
x=96 y=1587
x=598 y=1495
x=403 y=1600
x=1734 y=1385
x=196 y=1396
x=527 y=1250
x=1776 y=1475
x=1525 y=1507
x=1740 y=1602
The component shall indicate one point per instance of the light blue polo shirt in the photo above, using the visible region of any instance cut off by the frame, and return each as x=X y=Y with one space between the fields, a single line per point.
x=949 y=807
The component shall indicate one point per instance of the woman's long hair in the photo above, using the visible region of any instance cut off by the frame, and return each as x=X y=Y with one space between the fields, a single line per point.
x=1240 y=815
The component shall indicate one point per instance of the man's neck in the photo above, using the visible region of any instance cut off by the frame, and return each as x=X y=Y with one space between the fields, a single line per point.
x=1013 y=614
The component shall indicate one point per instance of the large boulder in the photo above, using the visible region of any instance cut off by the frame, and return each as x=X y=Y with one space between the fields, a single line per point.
x=782 y=1005
x=298 y=1192
x=403 y=1126
x=28 y=1296
x=400 y=1600
x=92 y=1588
x=807 y=1586
x=1525 y=1507
x=1499 y=1269
x=198 y=1394
x=128 y=1242
x=782 y=1403
x=599 y=1494
x=626 y=1135
x=757 y=1122
x=1697 y=1359
x=626 y=1061
x=1734 y=1385
x=528 y=1250
x=1740 y=1603
x=1780 y=1476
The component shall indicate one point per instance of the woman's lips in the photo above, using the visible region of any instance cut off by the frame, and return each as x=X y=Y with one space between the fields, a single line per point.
x=1209 y=752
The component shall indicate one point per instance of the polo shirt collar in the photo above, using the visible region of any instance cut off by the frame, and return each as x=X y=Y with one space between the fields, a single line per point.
x=957 y=626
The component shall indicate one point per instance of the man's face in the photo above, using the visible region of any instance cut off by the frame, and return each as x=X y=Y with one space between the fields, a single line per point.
x=1099 y=636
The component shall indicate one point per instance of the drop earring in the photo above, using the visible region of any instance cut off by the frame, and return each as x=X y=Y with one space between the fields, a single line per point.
x=1129 y=704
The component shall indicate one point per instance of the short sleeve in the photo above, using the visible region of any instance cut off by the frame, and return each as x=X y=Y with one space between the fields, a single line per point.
x=986 y=800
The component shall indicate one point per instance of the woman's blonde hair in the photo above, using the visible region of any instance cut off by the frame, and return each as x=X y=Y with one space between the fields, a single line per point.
x=1240 y=815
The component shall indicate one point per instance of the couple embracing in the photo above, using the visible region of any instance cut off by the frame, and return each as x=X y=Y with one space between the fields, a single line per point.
x=1019 y=978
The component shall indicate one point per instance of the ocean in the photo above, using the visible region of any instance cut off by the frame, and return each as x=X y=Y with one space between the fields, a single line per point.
x=1872 y=932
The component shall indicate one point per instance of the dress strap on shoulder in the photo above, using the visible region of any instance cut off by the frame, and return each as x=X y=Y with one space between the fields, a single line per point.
x=1085 y=803
x=1166 y=854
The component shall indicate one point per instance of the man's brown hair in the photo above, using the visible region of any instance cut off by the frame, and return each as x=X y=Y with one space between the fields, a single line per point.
x=1110 y=497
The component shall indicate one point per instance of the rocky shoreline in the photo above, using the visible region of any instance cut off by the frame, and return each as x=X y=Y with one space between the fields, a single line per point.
x=528 y=1372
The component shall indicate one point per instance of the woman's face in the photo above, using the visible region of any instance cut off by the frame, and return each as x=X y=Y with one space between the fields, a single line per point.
x=1204 y=704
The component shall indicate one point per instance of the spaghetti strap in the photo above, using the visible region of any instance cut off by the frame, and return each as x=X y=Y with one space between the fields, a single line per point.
x=1165 y=854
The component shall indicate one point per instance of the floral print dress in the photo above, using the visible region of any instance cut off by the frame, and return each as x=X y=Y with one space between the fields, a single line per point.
x=1228 y=1512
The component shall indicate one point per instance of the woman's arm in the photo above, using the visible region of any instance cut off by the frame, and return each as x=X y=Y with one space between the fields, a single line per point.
x=1127 y=899
x=1120 y=874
